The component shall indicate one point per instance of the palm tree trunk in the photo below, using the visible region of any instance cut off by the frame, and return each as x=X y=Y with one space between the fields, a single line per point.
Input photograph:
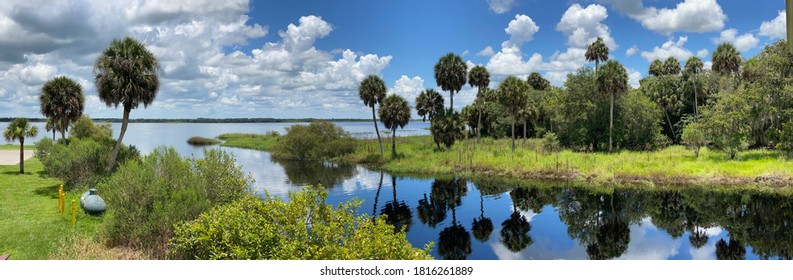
x=451 y=100
x=696 y=110
x=377 y=130
x=393 y=186
x=63 y=136
x=124 y=123
x=611 y=121
x=479 y=126
x=674 y=136
x=22 y=155
x=377 y=195
x=53 y=135
x=393 y=142
x=513 y=133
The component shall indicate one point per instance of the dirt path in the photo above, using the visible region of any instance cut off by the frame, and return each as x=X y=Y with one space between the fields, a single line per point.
x=11 y=157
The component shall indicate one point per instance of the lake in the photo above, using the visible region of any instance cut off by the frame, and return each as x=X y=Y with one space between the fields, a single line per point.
x=482 y=219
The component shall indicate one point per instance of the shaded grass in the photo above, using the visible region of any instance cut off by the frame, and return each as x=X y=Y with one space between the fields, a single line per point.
x=31 y=226
x=201 y=141
x=249 y=141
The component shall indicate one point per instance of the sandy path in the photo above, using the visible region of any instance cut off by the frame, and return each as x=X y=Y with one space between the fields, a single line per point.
x=11 y=157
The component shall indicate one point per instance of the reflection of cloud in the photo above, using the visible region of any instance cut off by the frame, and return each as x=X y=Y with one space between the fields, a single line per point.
x=647 y=244
x=707 y=252
x=365 y=180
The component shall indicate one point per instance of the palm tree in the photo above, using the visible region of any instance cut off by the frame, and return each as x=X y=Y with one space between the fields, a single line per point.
x=537 y=82
x=613 y=81
x=597 y=52
x=372 y=91
x=656 y=68
x=19 y=129
x=126 y=74
x=450 y=75
x=691 y=72
x=429 y=103
x=394 y=112
x=51 y=126
x=671 y=66
x=512 y=94
x=726 y=60
x=480 y=78
x=62 y=102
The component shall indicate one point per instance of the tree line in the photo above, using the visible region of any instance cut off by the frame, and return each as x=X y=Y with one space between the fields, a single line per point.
x=735 y=105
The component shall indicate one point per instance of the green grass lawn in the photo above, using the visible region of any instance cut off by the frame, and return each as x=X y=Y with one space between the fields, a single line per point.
x=15 y=147
x=30 y=225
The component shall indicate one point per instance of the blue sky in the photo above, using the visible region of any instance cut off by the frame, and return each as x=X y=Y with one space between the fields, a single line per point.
x=290 y=59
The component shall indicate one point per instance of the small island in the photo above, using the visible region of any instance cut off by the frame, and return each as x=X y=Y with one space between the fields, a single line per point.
x=201 y=141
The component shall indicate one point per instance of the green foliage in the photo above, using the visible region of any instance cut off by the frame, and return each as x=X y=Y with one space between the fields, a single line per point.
x=550 y=143
x=672 y=66
x=19 y=129
x=580 y=117
x=317 y=141
x=304 y=228
x=447 y=128
x=146 y=198
x=727 y=122
x=786 y=139
x=84 y=128
x=251 y=141
x=394 y=113
x=597 y=51
x=639 y=122
x=726 y=60
x=513 y=96
x=82 y=162
x=694 y=137
x=537 y=82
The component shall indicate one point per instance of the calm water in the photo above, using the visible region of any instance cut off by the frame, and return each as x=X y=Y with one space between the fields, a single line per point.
x=496 y=220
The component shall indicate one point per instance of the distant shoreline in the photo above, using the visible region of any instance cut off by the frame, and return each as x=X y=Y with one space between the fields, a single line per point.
x=209 y=120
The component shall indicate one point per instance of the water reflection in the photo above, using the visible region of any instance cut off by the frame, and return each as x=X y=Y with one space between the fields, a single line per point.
x=397 y=212
x=328 y=174
x=454 y=241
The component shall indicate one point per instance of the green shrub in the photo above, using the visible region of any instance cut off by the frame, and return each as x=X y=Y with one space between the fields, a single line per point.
x=84 y=128
x=786 y=139
x=639 y=122
x=550 y=143
x=83 y=162
x=146 y=198
x=694 y=137
x=316 y=141
x=446 y=128
x=201 y=141
x=302 y=228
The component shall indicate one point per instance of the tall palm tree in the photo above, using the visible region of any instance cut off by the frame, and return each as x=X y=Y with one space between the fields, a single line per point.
x=394 y=112
x=450 y=75
x=672 y=66
x=479 y=78
x=726 y=60
x=691 y=72
x=372 y=91
x=597 y=52
x=51 y=126
x=429 y=103
x=19 y=129
x=656 y=68
x=612 y=81
x=62 y=102
x=126 y=75
x=512 y=94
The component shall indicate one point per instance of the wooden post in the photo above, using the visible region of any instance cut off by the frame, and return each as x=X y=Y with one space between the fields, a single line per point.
x=74 y=212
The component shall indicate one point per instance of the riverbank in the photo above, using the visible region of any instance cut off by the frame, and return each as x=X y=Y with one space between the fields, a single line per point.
x=674 y=165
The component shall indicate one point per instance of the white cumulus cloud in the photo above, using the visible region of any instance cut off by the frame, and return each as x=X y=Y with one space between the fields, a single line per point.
x=521 y=29
x=487 y=51
x=583 y=25
x=670 y=49
x=686 y=16
x=776 y=28
x=631 y=51
x=743 y=42
x=501 y=6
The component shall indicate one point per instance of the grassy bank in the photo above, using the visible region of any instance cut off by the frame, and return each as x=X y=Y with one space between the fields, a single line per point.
x=31 y=227
x=201 y=141
x=249 y=141
x=672 y=165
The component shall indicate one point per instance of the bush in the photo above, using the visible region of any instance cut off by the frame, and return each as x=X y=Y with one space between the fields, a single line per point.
x=446 y=128
x=201 y=141
x=84 y=128
x=786 y=139
x=302 y=228
x=550 y=143
x=727 y=122
x=639 y=122
x=146 y=198
x=694 y=137
x=83 y=162
x=317 y=141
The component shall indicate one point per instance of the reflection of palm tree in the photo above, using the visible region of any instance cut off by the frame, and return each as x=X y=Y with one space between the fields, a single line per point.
x=611 y=240
x=483 y=226
x=430 y=212
x=732 y=251
x=698 y=238
x=515 y=232
x=377 y=195
x=397 y=212
x=454 y=242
